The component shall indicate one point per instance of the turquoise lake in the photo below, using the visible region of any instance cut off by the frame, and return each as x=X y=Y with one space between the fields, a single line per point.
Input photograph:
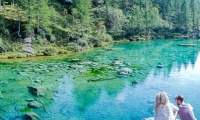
x=88 y=86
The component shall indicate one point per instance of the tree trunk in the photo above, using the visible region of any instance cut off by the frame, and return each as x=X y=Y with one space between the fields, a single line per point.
x=19 y=25
x=146 y=18
x=0 y=4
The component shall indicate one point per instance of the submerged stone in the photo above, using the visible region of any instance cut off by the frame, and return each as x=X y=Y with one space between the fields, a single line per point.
x=37 y=90
x=19 y=108
x=117 y=63
x=30 y=99
x=160 y=65
x=125 y=71
x=35 y=104
x=187 y=45
x=75 y=60
x=76 y=66
x=1 y=96
x=134 y=82
x=32 y=116
x=86 y=63
x=5 y=82
x=151 y=118
x=22 y=73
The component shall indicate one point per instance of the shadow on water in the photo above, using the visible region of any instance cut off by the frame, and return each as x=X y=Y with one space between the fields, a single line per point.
x=95 y=86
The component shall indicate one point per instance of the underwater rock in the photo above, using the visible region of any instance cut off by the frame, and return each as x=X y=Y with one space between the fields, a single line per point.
x=151 y=118
x=22 y=73
x=75 y=60
x=35 y=104
x=94 y=64
x=5 y=82
x=134 y=82
x=37 y=90
x=117 y=63
x=27 y=70
x=19 y=108
x=83 y=71
x=1 y=96
x=86 y=63
x=187 y=45
x=125 y=71
x=160 y=65
x=76 y=66
x=36 y=70
x=32 y=116
x=37 y=81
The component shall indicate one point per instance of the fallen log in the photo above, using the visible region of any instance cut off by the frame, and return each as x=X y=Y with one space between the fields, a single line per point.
x=187 y=45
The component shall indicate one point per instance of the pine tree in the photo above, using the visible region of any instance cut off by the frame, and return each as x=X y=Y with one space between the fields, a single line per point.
x=185 y=15
x=83 y=7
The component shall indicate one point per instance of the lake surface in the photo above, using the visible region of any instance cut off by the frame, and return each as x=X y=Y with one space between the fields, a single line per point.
x=88 y=86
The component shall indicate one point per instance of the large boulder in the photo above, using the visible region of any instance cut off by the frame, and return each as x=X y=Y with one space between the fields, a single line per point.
x=27 y=46
x=28 y=50
x=38 y=90
x=27 y=40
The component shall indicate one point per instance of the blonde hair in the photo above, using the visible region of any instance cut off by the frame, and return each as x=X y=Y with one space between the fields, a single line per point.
x=161 y=98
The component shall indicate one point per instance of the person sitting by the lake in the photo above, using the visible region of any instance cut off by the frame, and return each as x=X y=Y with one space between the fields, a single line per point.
x=185 y=109
x=164 y=109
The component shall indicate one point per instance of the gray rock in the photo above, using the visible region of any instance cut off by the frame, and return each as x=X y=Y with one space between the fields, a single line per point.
x=27 y=40
x=32 y=116
x=125 y=71
x=28 y=50
x=151 y=118
x=94 y=64
x=37 y=90
x=37 y=81
x=160 y=65
x=76 y=66
x=5 y=82
x=86 y=63
x=117 y=63
x=22 y=73
x=19 y=108
x=1 y=96
x=28 y=45
x=35 y=104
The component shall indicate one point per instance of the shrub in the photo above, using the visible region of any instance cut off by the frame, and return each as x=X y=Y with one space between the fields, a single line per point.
x=50 y=51
x=45 y=50
x=73 y=47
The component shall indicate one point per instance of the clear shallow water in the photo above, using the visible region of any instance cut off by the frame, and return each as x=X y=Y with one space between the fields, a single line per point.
x=71 y=96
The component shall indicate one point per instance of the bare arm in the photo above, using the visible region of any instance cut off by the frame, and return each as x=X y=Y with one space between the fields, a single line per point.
x=175 y=108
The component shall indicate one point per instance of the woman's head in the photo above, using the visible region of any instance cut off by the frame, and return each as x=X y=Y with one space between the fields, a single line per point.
x=161 y=98
x=164 y=98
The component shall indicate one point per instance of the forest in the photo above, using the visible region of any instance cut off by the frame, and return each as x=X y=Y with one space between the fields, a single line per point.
x=49 y=27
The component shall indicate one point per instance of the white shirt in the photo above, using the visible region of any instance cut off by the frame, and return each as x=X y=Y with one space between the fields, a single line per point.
x=166 y=112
